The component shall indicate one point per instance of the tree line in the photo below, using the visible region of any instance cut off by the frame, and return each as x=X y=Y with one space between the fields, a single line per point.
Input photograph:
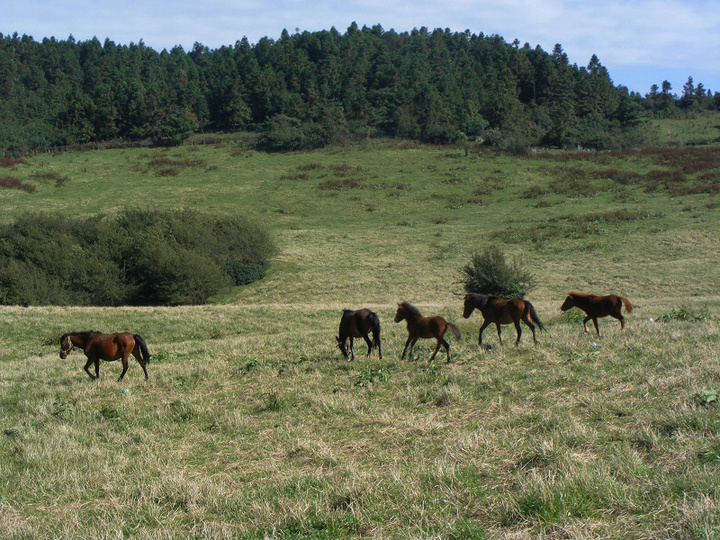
x=310 y=89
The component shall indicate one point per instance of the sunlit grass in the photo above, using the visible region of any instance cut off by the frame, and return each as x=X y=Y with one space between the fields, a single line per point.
x=252 y=425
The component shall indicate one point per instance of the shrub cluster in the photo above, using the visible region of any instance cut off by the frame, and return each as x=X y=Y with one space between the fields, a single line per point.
x=489 y=273
x=134 y=258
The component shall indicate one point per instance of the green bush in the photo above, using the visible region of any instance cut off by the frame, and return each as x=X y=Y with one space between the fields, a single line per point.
x=136 y=258
x=489 y=273
x=244 y=273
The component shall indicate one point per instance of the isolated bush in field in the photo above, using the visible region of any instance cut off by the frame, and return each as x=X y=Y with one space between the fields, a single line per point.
x=489 y=273
x=137 y=257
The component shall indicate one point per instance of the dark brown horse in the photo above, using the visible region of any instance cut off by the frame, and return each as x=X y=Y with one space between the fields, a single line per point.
x=499 y=311
x=598 y=306
x=109 y=347
x=424 y=327
x=358 y=323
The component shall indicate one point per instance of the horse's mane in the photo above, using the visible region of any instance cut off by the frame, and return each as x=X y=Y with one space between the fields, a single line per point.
x=84 y=333
x=580 y=294
x=480 y=300
x=411 y=309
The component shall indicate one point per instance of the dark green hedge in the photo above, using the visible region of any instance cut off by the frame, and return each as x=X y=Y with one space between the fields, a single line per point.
x=134 y=258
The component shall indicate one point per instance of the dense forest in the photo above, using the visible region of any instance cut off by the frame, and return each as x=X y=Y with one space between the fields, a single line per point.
x=310 y=89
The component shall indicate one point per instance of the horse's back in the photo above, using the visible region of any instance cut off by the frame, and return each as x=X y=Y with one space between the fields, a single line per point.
x=114 y=346
x=601 y=306
x=437 y=325
x=124 y=338
x=356 y=323
x=504 y=311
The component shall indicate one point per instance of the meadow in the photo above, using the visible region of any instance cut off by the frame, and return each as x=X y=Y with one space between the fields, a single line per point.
x=253 y=426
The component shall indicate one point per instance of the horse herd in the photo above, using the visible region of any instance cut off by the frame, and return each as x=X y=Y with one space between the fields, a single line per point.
x=362 y=323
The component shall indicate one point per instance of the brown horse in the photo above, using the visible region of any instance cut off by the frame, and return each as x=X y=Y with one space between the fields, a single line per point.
x=109 y=347
x=358 y=323
x=500 y=311
x=424 y=327
x=597 y=306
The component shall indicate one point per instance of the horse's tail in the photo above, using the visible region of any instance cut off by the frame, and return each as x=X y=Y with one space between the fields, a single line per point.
x=375 y=321
x=628 y=305
x=454 y=329
x=143 y=348
x=529 y=308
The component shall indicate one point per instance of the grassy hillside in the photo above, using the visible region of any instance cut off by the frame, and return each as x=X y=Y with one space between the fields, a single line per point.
x=252 y=425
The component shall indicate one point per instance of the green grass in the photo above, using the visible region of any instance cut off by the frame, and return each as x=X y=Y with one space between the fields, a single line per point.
x=697 y=129
x=253 y=426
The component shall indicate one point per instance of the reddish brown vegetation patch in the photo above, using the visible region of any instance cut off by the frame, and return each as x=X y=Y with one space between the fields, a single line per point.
x=11 y=182
x=165 y=166
x=299 y=176
x=620 y=177
x=346 y=183
x=11 y=162
x=51 y=175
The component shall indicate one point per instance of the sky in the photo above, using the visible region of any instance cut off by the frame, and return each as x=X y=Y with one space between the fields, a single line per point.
x=640 y=42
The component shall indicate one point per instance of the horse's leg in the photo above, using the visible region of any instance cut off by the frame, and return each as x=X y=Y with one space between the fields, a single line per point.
x=369 y=343
x=519 y=333
x=405 y=349
x=485 y=324
x=125 y=366
x=352 y=351
x=594 y=319
x=447 y=349
x=499 y=332
x=137 y=356
x=585 y=320
x=410 y=352
x=437 y=348
x=87 y=368
x=621 y=319
x=532 y=329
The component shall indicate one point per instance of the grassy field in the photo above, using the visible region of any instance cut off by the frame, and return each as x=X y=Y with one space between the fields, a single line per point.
x=252 y=425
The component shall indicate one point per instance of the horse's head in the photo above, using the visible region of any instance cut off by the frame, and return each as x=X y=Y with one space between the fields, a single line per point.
x=343 y=346
x=473 y=301
x=400 y=315
x=66 y=346
x=568 y=303
x=468 y=307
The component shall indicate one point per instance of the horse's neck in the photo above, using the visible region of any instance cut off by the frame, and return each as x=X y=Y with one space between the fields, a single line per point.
x=79 y=340
x=413 y=319
x=480 y=301
x=584 y=301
